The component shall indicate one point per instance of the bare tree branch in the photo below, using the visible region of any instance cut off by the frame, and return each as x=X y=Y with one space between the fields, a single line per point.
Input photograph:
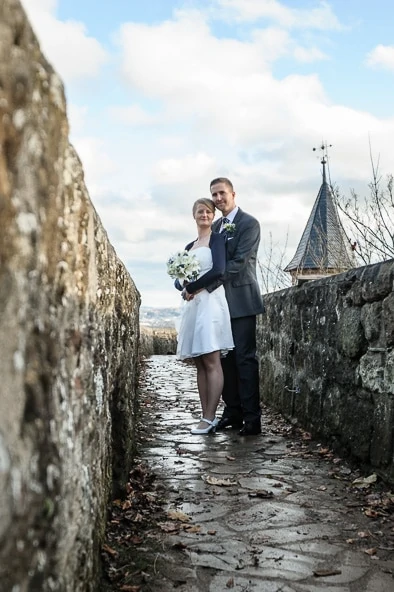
x=271 y=267
x=370 y=221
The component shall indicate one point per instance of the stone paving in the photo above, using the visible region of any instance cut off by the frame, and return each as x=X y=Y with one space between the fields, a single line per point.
x=252 y=514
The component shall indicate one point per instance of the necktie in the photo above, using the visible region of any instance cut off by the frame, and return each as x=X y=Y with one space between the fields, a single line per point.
x=224 y=221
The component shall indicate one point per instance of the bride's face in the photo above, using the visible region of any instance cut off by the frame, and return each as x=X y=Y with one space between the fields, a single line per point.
x=203 y=216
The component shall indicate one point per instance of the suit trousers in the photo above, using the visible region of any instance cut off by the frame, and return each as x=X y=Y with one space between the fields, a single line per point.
x=241 y=393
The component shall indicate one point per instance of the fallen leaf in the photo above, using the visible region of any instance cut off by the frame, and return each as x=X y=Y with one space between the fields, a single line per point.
x=350 y=541
x=191 y=528
x=215 y=481
x=109 y=550
x=323 y=451
x=179 y=546
x=150 y=496
x=322 y=573
x=371 y=551
x=230 y=583
x=262 y=493
x=181 y=451
x=168 y=526
x=178 y=515
x=371 y=513
x=365 y=481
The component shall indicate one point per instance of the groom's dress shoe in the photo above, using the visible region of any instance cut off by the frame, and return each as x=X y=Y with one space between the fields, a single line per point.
x=228 y=422
x=252 y=428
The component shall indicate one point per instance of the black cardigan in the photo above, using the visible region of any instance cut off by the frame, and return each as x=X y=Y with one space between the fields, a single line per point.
x=217 y=244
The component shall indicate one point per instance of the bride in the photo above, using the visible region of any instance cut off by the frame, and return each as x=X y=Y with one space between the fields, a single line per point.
x=205 y=328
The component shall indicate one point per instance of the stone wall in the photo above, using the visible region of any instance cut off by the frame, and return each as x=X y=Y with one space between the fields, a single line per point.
x=157 y=341
x=69 y=337
x=326 y=352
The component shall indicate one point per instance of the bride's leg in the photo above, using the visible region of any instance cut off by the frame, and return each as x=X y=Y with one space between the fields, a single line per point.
x=210 y=385
x=214 y=382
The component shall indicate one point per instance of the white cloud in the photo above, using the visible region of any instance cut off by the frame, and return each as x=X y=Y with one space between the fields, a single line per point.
x=76 y=116
x=134 y=115
x=72 y=52
x=275 y=43
x=97 y=163
x=308 y=55
x=224 y=85
x=381 y=56
x=184 y=170
x=321 y=17
x=33 y=7
x=181 y=60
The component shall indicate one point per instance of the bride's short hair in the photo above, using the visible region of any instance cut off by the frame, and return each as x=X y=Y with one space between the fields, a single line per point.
x=205 y=201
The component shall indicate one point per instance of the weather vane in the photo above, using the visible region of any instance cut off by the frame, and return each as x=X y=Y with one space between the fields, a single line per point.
x=324 y=148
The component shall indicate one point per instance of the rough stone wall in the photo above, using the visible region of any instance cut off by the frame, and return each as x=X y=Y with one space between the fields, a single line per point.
x=69 y=337
x=326 y=353
x=157 y=341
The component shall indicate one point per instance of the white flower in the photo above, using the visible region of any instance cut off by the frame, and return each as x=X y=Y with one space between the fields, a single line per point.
x=229 y=227
x=183 y=266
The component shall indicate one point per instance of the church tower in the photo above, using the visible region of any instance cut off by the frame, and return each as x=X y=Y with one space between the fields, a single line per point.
x=324 y=248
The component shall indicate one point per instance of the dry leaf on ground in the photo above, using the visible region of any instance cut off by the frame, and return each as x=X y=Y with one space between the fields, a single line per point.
x=215 y=481
x=262 y=493
x=178 y=515
x=322 y=573
x=365 y=481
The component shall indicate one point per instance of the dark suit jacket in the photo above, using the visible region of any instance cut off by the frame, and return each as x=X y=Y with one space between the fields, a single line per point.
x=217 y=244
x=239 y=279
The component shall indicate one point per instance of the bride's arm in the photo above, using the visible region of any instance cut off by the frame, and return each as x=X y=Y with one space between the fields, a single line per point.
x=217 y=245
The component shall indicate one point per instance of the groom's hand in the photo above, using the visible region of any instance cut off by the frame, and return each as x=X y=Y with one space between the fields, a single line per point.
x=186 y=295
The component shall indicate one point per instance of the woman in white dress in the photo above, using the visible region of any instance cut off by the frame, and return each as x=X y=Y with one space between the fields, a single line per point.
x=205 y=327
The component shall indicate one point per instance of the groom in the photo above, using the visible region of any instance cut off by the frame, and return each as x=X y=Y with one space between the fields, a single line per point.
x=240 y=367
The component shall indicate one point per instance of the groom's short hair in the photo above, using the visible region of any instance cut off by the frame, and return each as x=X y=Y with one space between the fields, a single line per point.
x=222 y=180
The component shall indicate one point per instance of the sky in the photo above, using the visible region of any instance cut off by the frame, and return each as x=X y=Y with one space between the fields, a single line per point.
x=165 y=95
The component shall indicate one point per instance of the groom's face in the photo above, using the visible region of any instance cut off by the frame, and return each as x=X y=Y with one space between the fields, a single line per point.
x=223 y=197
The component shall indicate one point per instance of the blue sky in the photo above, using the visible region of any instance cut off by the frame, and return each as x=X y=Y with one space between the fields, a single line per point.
x=165 y=95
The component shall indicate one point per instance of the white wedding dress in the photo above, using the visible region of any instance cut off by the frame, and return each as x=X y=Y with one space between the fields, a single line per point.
x=205 y=324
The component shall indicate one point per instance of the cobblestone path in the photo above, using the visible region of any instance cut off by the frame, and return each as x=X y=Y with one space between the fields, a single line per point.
x=271 y=513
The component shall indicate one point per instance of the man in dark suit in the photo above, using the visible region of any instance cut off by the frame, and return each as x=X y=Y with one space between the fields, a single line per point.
x=240 y=367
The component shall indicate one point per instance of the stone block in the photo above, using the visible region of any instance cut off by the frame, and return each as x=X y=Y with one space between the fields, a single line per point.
x=377 y=281
x=388 y=319
x=382 y=442
x=350 y=333
x=371 y=320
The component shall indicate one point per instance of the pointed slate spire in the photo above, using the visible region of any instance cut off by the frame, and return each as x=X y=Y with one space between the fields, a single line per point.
x=324 y=248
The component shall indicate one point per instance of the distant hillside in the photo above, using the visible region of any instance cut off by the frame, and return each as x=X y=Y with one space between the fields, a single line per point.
x=158 y=317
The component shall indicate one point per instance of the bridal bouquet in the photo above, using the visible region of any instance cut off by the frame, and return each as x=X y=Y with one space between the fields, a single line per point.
x=183 y=266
